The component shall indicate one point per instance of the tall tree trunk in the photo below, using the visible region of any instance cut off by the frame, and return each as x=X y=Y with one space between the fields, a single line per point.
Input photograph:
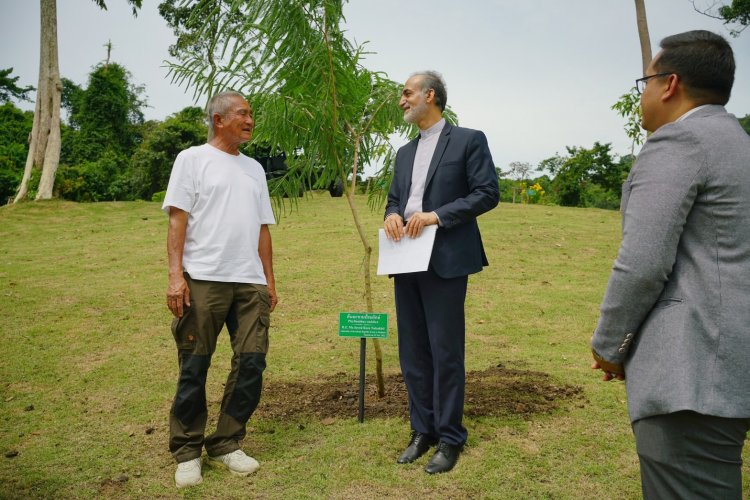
x=640 y=14
x=368 y=279
x=44 y=146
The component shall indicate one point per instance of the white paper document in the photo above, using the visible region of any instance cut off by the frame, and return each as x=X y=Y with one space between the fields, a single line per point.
x=408 y=255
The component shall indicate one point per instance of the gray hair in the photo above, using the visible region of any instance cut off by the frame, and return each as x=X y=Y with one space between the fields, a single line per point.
x=219 y=105
x=434 y=80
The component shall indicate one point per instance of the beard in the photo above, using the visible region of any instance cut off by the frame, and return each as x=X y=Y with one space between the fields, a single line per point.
x=413 y=115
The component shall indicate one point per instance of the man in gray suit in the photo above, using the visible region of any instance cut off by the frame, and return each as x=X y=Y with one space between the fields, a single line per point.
x=675 y=319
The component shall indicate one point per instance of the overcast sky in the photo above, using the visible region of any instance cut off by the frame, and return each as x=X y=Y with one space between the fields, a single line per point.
x=534 y=75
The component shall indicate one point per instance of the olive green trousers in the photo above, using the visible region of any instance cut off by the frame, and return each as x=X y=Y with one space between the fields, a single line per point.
x=244 y=309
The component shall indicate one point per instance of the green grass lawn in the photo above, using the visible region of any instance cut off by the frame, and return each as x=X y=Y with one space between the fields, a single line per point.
x=89 y=368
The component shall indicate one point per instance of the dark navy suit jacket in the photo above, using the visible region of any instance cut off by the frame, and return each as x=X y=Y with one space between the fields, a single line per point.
x=461 y=185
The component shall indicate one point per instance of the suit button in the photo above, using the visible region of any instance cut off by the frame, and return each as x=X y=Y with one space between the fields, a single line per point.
x=621 y=350
x=629 y=336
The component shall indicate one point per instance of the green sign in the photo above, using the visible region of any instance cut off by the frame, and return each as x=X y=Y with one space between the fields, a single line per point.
x=363 y=325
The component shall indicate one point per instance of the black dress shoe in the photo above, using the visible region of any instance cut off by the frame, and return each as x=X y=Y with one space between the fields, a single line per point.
x=444 y=459
x=418 y=446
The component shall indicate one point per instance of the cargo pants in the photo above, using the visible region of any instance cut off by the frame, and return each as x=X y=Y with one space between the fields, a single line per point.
x=245 y=310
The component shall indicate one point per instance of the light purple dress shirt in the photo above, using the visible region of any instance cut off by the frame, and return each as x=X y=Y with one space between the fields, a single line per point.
x=425 y=150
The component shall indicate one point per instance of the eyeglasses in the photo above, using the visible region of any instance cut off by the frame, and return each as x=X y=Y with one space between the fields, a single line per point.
x=640 y=84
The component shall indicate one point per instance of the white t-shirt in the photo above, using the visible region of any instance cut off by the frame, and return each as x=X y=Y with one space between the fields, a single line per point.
x=227 y=199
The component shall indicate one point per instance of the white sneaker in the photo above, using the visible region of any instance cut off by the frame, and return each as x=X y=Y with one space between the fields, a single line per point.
x=237 y=462
x=188 y=473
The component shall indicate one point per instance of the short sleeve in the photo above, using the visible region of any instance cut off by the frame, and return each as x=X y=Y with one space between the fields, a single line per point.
x=266 y=212
x=181 y=188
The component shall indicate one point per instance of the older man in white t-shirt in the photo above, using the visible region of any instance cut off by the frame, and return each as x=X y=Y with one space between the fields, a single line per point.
x=220 y=273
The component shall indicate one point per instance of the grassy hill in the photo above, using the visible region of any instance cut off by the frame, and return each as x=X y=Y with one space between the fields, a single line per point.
x=89 y=367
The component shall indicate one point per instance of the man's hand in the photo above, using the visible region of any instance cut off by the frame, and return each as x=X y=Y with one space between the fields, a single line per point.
x=611 y=371
x=178 y=293
x=272 y=297
x=418 y=221
x=394 y=227
x=607 y=375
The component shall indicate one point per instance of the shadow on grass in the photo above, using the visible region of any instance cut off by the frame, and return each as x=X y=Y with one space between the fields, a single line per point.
x=495 y=392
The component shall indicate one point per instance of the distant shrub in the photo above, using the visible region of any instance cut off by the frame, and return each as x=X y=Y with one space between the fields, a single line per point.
x=158 y=196
x=100 y=180
x=594 y=196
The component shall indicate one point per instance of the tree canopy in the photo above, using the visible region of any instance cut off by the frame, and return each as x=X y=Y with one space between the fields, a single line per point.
x=152 y=161
x=745 y=122
x=104 y=128
x=15 y=126
x=588 y=177
x=9 y=88
x=106 y=114
x=735 y=13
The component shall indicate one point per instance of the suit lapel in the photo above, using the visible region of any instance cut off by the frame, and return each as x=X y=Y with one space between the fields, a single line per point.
x=409 y=165
x=445 y=136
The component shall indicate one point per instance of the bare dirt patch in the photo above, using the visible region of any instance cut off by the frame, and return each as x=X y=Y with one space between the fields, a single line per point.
x=497 y=391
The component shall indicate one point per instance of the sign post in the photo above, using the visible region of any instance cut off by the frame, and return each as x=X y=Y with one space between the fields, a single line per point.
x=364 y=326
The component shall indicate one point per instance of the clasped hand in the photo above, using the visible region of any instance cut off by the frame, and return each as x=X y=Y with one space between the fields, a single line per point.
x=395 y=228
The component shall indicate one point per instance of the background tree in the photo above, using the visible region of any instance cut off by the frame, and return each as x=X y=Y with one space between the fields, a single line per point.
x=313 y=97
x=9 y=88
x=737 y=12
x=588 y=177
x=196 y=27
x=629 y=107
x=106 y=115
x=44 y=146
x=15 y=126
x=745 y=122
x=517 y=171
x=152 y=161
x=105 y=126
x=643 y=36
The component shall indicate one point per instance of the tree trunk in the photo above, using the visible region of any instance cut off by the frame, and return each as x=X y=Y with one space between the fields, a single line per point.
x=640 y=13
x=44 y=146
x=368 y=253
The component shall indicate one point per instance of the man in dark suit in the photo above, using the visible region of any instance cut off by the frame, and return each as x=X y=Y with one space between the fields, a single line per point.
x=674 y=319
x=445 y=177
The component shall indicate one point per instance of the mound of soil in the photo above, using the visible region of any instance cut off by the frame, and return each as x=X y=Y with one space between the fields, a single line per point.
x=497 y=391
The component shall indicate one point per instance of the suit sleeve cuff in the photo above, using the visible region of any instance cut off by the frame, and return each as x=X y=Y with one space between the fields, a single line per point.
x=440 y=224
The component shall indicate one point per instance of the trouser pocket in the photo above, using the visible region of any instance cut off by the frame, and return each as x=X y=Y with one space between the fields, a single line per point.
x=184 y=330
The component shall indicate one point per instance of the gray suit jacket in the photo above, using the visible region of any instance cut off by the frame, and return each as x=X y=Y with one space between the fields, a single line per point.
x=677 y=307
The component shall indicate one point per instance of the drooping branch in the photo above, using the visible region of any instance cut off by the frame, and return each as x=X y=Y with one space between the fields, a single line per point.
x=707 y=12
